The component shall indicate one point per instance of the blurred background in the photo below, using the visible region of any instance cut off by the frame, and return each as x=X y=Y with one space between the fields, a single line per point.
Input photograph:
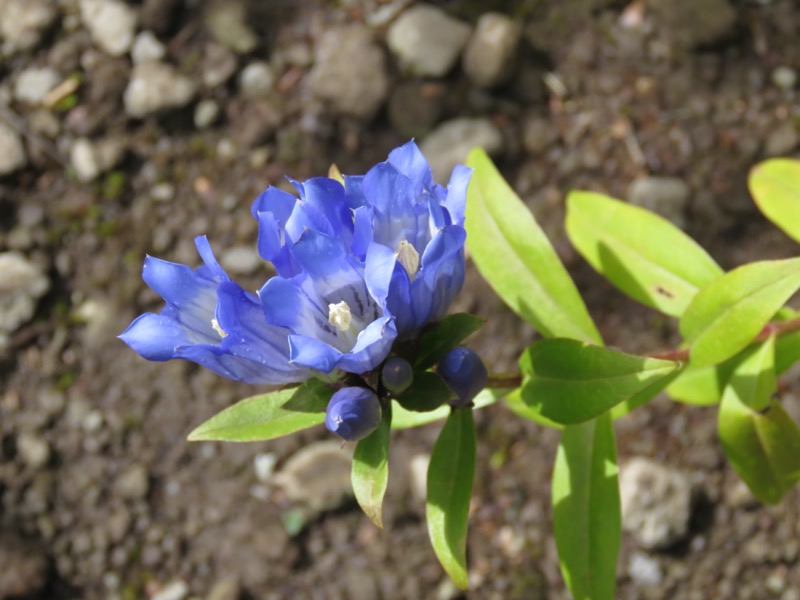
x=129 y=127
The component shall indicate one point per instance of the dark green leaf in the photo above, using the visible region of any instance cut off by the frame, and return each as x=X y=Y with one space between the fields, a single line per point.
x=450 y=475
x=264 y=417
x=758 y=437
x=405 y=419
x=775 y=186
x=586 y=509
x=370 y=473
x=569 y=381
x=730 y=312
x=787 y=351
x=447 y=334
x=428 y=392
x=513 y=254
x=643 y=254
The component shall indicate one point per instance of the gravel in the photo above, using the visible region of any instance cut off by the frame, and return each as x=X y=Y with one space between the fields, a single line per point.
x=111 y=23
x=426 y=41
x=147 y=48
x=156 y=87
x=490 y=53
x=450 y=143
x=256 y=80
x=22 y=283
x=12 y=151
x=24 y=22
x=33 y=84
x=666 y=196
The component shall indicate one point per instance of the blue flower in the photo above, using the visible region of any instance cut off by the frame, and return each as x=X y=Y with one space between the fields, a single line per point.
x=353 y=413
x=418 y=227
x=356 y=265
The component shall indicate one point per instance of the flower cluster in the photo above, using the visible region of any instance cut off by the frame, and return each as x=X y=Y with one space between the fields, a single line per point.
x=361 y=261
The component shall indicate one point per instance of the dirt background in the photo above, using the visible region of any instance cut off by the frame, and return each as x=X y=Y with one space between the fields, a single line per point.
x=102 y=497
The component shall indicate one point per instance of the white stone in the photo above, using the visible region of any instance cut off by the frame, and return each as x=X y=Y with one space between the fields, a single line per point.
x=84 y=159
x=34 y=450
x=784 y=77
x=644 y=570
x=264 y=466
x=33 y=84
x=666 y=196
x=489 y=56
x=349 y=72
x=449 y=144
x=22 y=283
x=227 y=21
x=241 y=260
x=418 y=476
x=206 y=113
x=23 y=22
x=111 y=24
x=426 y=41
x=12 y=151
x=656 y=503
x=154 y=87
x=174 y=590
x=256 y=80
x=147 y=48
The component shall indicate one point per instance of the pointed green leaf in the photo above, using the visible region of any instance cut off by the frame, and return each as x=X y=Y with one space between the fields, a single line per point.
x=728 y=313
x=265 y=417
x=445 y=336
x=643 y=254
x=516 y=405
x=405 y=419
x=370 y=474
x=450 y=476
x=569 y=382
x=775 y=186
x=787 y=351
x=643 y=397
x=513 y=254
x=586 y=509
x=758 y=437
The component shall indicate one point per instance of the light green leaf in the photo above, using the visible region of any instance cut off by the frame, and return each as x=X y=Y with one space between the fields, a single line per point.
x=647 y=394
x=450 y=476
x=643 y=254
x=758 y=437
x=586 y=508
x=787 y=351
x=265 y=417
x=516 y=405
x=370 y=474
x=405 y=419
x=731 y=311
x=569 y=381
x=775 y=186
x=513 y=254
x=446 y=335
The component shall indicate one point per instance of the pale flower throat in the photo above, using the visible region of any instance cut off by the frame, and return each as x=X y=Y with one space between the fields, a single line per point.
x=408 y=256
x=339 y=316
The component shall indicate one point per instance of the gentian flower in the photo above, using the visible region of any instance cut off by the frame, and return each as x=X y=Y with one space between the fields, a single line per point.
x=464 y=372
x=356 y=264
x=353 y=413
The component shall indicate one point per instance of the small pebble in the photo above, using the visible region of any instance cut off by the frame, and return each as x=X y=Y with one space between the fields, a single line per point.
x=206 y=113
x=147 y=48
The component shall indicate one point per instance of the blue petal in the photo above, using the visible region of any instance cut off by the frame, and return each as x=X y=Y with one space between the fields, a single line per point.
x=362 y=234
x=378 y=270
x=312 y=353
x=372 y=347
x=327 y=195
x=273 y=246
x=456 y=201
x=306 y=216
x=442 y=269
x=354 y=191
x=353 y=413
x=275 y=201
x=399 y=304
x=392 y=196
x=155 y=337
x=409 y=160
x=207 y=254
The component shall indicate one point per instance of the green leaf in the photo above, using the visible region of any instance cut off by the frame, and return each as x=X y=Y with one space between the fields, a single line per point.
x=586 y=508
x=569 y=382
x=647 y=394
x=450 y=475
x=516 y=405
x=370 y=474
x=728 y=313
x=447 y=334
x=265 y=417
x=427 y=392
x=643 y=254
x=787 y=351
x=775 y=186
x=758 y=437
x=702 y=386
x=513 y=254
x=405 y=419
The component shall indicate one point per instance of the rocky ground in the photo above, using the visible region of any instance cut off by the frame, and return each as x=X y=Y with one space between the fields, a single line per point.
x=129 y=128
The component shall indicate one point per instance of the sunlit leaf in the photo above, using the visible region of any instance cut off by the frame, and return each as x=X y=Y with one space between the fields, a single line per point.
x=731 y=311
x=513 y=254
x=370 y=474
x=569 y=381
x=265 y=417
x=586 y=509
x=643 y=254
x=775 y=186
x=450 y=476
x=405 y=419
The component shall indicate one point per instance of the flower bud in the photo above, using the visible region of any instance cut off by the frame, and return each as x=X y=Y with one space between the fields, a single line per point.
x=464 y=373
x=353 y=413
x=397 y=375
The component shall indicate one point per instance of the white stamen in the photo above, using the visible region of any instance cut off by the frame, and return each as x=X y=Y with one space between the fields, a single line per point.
x=408 y=257
x=339 y=315
x=215 y=324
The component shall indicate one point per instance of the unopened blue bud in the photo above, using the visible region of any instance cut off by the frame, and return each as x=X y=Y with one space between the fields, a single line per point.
x=464 y=373
x=397 y=375
x=353 y=413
